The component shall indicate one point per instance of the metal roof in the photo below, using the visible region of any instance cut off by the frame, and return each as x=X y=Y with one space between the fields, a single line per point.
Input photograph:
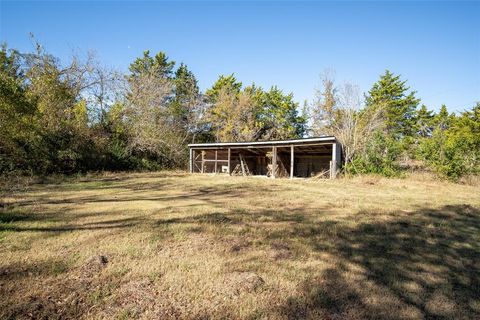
x=265 y=143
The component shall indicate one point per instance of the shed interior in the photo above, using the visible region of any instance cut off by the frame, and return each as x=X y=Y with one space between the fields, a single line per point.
x=308 y=160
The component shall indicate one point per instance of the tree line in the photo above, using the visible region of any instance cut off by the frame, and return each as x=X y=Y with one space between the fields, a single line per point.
x=83 y=116
x=387 y=130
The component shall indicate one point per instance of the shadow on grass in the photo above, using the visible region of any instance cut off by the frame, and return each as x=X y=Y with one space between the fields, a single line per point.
x=421 y=264
x=128 y=193
x=9 y=216
x=17 y=271
x=424 y=265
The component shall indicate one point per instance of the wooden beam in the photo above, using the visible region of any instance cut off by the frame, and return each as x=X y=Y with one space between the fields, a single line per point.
x=229 y=158
x=242 y=164
x=274 y=161
x=190 y=160
x=216 y=160
x=256 y=151
x=291 y=161
x=333 y=165
x=213 y=160
x=203 y=160
x=267 y=147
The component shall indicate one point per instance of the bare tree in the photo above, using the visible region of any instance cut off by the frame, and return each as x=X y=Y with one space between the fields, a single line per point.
x=152 y=127
x=104 y=89
x=197 y=119
x=82 y=78
x=338 y=112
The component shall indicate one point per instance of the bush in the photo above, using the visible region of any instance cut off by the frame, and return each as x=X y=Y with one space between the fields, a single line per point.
x=455 y=151
x=379 y=157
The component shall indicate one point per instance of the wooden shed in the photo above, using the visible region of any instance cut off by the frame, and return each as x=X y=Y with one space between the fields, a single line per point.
x=308 y=157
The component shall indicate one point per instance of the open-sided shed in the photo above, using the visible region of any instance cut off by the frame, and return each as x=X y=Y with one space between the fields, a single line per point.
x=308 y=157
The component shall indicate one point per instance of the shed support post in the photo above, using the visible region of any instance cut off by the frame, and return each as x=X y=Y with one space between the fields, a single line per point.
x=274 y=161
x=216 y=161
x=229 y=158
x=292 y=156
x=334 y=162
x=203 y=160
x=190 y=160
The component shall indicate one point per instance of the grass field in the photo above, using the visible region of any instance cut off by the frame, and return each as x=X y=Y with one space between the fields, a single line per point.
x=169 y=245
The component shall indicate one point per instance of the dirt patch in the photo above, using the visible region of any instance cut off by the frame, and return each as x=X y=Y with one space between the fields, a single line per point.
x=136 y=297
x=141 y=299
x=94 y=265
x=240 y=245
x=280 y=251
x=37 y=308
x=237 y=283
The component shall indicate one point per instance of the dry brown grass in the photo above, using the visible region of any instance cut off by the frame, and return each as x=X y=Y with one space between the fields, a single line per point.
x=170 y=245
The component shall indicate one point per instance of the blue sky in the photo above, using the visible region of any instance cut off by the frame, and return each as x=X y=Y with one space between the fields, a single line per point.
x=434 y=45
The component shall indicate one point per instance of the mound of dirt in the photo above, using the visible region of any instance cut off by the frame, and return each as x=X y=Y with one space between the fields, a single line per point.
x=240 y=282
x=95 y=264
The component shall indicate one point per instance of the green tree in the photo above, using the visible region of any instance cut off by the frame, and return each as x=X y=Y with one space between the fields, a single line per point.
x=156 y=130
x=233 y=116
x=454 y=149
x=226 y=106
x=158 y=66
x=54 y=124
x=424 y=122
x=186 y=95
x=279 y=116
x=398 y=105
x=251 y=113
x=379 y=156
x=16 y=112
x=223 y=84
x=443 y=119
